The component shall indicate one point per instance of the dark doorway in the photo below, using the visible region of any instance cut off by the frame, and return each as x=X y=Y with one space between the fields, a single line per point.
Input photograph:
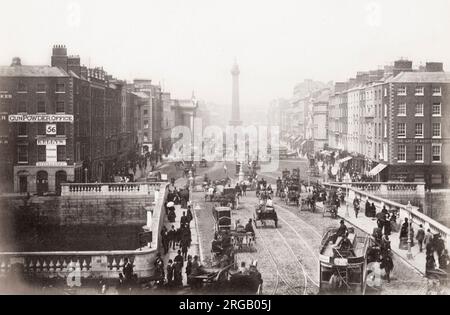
x=42 y=183
x=60 y=178
x=23 y=183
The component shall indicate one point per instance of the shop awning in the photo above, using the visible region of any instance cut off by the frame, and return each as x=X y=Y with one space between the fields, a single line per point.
x=346 y=159
x=377 y=169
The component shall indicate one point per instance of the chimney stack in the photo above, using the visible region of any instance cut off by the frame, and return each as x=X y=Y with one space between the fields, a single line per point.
x=59 y=57
x=402 y=66
x=434 y=67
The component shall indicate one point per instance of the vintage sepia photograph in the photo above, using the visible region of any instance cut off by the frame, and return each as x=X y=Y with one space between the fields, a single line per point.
x=245 y=149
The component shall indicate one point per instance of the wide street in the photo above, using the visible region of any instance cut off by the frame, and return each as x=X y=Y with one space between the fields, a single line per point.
x=288 y=256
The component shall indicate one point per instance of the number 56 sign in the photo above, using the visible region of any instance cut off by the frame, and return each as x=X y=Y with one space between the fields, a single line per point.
x=50 y=129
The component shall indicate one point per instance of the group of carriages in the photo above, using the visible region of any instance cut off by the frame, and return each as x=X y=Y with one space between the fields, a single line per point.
x=223 y=276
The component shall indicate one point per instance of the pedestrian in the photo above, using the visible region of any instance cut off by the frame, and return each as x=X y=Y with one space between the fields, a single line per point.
x=172 y=235
x=184 y=247
x=188 y=269
x=177 y=273
x=420 y=237
x=356 y=206
x=179 y=258
x=170 y=270
x=244 y=189
x=127 y=270
x=387 y=264
x=120 y=284
x=189 y=215
x=439 y=244
x=184 y=221
x=368 y=212
x=428 y=238
x=165 y=239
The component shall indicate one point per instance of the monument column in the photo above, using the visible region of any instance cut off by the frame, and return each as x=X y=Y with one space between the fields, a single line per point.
x=235 y=113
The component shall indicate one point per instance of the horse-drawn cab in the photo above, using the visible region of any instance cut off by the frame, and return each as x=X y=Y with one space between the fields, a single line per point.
x=293 y=195
x=222 y=219
x=263 y=213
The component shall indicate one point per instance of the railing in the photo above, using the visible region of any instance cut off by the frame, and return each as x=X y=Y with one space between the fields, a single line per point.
x=388 y=187
x=413 y=214
x=109 y=189
x=107 y=264
x=91 y=264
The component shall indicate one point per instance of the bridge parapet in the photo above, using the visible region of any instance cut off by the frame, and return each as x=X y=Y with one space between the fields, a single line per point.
x=385 y=188
x=109 y=189
x=92 y=264
x=412 y=213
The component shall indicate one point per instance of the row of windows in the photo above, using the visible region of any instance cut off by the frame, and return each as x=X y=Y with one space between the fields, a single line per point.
x=418 y=130
x=41 y=88
x=436 y=109
x=22 y=107
x=419 y=91
x=419 y=153
x=22 y=153
x=23 y=128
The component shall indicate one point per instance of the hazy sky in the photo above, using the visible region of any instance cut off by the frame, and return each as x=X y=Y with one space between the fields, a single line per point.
x=190 y=44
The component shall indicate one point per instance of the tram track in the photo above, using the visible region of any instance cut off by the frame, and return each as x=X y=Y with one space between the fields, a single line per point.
x=292 y=288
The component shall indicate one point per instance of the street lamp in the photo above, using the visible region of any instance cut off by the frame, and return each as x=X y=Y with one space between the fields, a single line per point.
x=86 y=175
x=409 y=210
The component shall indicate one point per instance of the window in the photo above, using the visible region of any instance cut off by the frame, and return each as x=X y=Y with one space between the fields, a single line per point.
x=385 y=130
x=401 y=154
x=436 y=130
x=419 y=90
x=401 y=90
x=436 y=152
x=41 y=107
x=22 y=108
x=61 y=153
x=21 y=88
x=40 y=88
x=402 y=109
x=437 y=91
x=145 y=124
x=145 y=137
x=385 y=110
x=145 y=112
x=437 y=109
x=42 y=153
x=41 y=129
x=419 y=130
x=78 y=152
x=385 y=92
x=419 y=110
x=22 y=129
x=60 y=88
x=60 y=129
x=419 y=153
x=22 y=154
x=401 y=130
x=60 y=107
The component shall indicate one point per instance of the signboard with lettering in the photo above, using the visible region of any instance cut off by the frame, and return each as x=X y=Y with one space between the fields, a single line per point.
x=40 y=118
x=51 y=141
x=50 y=129
x=51 y=163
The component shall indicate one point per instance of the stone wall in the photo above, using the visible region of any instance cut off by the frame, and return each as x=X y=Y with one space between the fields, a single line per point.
x=109 y=210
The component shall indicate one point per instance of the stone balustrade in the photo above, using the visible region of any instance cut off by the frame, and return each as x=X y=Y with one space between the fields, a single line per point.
x=109 y=189
x=84 y=265
x=412 y=213
x=75 y=266
x=386 y=188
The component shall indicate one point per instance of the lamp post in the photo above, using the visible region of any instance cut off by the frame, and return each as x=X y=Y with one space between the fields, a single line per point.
x=86 y=175
x=409 y=210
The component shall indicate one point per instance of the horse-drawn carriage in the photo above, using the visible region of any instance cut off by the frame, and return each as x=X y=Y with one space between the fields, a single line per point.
x=265 y=213
x=293 y=195
x=227 y=280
